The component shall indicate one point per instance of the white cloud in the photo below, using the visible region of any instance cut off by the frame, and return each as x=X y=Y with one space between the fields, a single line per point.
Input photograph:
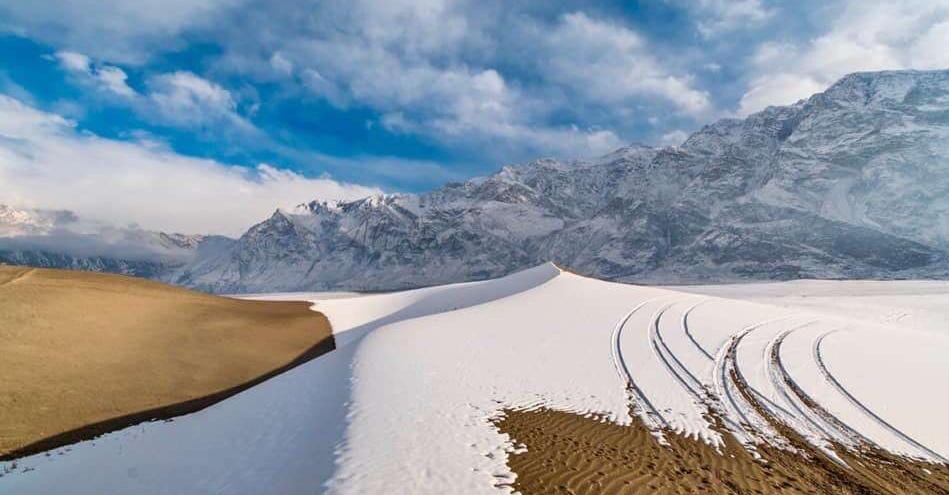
x=114 y=30
x=185 y=99
x=717 y=17
x=185 y=91
x=868 y=35
x=453 y=72
x=608 y=64
x=75 y=62
x=45 y=162
x=280 y=64
x=180 y=98
x=673 y=138
x=114 y=79
x=481 y=111
x=502 y=79
x=107 y=77
x=780 y=89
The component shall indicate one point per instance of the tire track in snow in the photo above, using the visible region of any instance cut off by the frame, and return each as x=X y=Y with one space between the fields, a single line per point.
x=741 y=375
x=729 y=377
x=619 y=362
x=725 y=362
x=773 y=371
x=688 y=331
x=818 y=358
x=832 y=421
x=658 y=344
x=771 y=419
x=780 y=379
x=801 y=400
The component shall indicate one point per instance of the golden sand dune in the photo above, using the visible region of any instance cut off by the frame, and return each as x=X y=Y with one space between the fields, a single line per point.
x=84 y=353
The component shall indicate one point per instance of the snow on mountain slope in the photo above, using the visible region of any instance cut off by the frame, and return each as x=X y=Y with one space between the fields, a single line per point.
x=850 y=183
x=404 y=405
x=17 y=222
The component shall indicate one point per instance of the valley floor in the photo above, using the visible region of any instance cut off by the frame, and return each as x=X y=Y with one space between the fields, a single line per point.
x=545 y=381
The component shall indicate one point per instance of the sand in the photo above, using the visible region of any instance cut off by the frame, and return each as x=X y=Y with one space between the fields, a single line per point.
x=82 y=353
x=571 y=454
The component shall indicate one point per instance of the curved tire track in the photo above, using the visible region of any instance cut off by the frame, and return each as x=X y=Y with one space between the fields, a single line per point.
x=818 y=358
x=724 y=363
x=785 y=385
x=688 y=331
x=639 y=398
x=843 y=430
x=692 y=385
x=729 y=383
x=744 y=381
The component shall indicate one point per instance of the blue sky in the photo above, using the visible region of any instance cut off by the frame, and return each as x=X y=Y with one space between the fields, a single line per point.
x=307 y=99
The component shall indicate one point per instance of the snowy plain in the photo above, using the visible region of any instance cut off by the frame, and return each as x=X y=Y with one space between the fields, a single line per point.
x=405 y=402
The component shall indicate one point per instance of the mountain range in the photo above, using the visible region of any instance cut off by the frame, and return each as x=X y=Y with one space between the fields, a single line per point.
x=852 y=182
x=60 y=239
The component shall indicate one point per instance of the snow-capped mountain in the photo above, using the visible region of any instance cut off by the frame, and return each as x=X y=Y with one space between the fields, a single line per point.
x=850 y=183
x=20 y=222
x=59 y=239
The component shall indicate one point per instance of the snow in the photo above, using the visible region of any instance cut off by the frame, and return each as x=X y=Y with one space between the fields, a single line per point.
x=404 y=405
x=440 y=379
x=891 y=404
x=870 y=354
x=916 y=304
x=15 y=222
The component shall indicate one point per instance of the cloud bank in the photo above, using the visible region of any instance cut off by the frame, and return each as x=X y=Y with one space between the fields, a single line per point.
x=119 y=30
x=45 y=162
x=505 y=79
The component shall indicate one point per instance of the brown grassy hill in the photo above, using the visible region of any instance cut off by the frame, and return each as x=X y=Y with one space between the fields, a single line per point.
x=85 y=353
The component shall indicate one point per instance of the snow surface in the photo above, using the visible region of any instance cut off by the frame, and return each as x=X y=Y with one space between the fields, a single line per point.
x=916 y=304
x=404 y=404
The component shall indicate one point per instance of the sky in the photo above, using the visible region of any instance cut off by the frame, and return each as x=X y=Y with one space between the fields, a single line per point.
x=205 y=116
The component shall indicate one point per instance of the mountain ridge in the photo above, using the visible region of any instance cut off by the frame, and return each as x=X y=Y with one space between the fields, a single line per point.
x=60 y=239
x=849 y=183
x=852 y=182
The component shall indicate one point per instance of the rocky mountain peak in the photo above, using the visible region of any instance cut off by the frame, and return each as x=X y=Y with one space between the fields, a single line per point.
x=851 y=182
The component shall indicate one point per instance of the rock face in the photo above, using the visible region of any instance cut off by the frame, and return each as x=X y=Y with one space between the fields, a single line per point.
x=851 y=183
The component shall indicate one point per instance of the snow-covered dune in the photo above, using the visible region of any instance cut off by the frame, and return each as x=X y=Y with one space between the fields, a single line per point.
x=404 y=405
